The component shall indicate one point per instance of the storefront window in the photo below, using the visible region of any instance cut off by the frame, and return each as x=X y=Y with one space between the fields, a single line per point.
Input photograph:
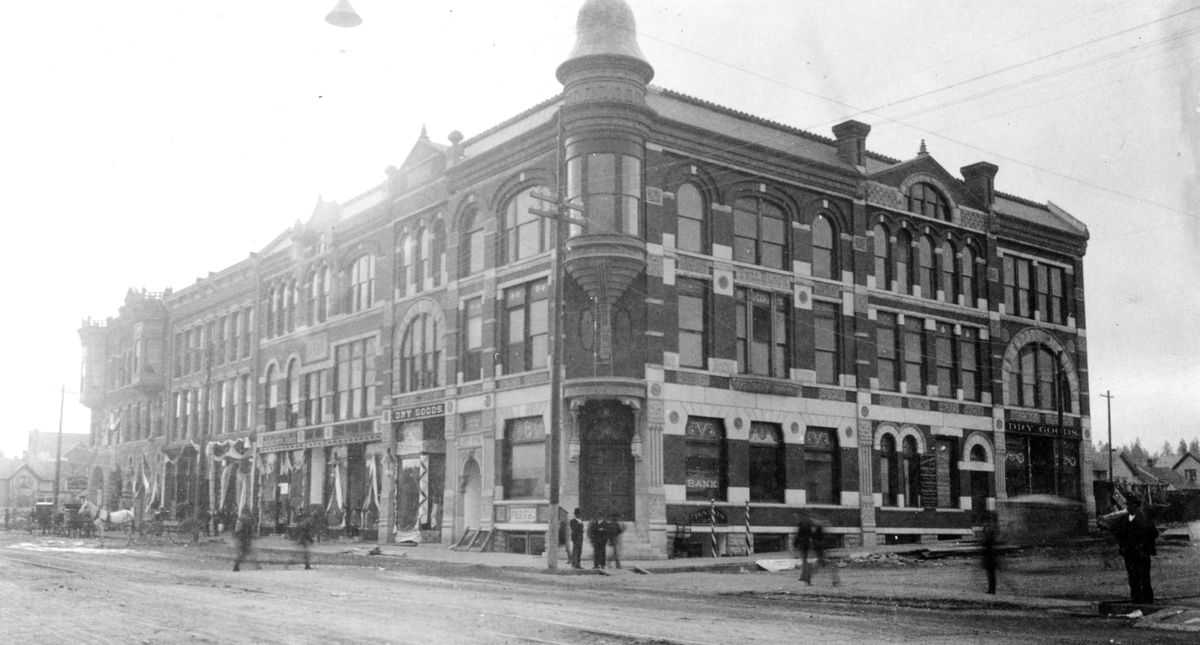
x=704 y=465
x=821 y=470
x=524 y=459
x=767 y=472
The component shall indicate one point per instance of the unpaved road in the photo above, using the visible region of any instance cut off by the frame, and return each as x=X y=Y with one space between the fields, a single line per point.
x=54 y=592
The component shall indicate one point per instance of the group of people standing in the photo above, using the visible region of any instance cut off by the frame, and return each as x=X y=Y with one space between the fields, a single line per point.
x=602 y=533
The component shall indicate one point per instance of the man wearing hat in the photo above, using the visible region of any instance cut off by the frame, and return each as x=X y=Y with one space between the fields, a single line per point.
x=1136 y=535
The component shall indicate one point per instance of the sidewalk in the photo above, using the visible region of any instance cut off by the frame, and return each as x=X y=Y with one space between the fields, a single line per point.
x=953 y=583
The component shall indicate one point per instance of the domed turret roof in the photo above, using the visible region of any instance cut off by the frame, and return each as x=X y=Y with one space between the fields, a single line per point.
x=605 y=28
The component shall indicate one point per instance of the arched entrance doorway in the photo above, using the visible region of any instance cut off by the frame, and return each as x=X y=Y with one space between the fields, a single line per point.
x=606 y=477
x=472 y=494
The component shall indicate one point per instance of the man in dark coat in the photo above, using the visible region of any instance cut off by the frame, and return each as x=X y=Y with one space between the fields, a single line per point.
x=577 y=539
x=304 y=536
x=1136 y=535
x=243 y=534
x=598 y=534
x=805 y=532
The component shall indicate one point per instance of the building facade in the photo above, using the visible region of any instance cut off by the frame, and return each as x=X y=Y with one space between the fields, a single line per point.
x=755 y=320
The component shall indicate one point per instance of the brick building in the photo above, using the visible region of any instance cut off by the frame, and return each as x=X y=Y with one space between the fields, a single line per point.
x=755 y=319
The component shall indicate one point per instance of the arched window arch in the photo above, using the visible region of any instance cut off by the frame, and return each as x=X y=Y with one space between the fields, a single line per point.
x=470 y=246
x=978 y=453
x=949 y=282
x=437 y=252
x=525 y=234
x=759 y=233
x=1037 y=380
x=923 y=198
x=903 y=261
x=883 y=257
x=692 y=221
x=926 y=271
x=967 y=275
x=362 y=283
x=421 y=355
x=824 y=248
x=889 y=470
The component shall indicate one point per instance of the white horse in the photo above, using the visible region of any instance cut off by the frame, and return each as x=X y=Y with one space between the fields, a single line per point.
x=102 y=518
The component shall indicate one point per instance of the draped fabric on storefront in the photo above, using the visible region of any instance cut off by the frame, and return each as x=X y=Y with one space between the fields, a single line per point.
x=235 y=459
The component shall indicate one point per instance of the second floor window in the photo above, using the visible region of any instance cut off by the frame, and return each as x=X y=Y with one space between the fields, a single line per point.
x=1037 y=382
x=690 y=225
x=693 y=320
x=887 y=352
x=883 y=258
x=610 y=185
x=525 y=234
x=362 y=284
x=470 y=246
x=526 y=327
x=421 y=355
x=472 y=343
x=354 y=379
x=824 y=249
x=826 y=342
x=762 y=329
x=914 y=355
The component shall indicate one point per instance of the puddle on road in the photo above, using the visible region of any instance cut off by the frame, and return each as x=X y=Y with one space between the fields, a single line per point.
x=78 y=546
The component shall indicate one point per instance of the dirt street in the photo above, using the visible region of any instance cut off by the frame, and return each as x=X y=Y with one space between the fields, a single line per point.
x=67 y=591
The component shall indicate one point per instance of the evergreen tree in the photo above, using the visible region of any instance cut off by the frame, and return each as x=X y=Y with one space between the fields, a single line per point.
x=1182 y=448
x=1194 y=447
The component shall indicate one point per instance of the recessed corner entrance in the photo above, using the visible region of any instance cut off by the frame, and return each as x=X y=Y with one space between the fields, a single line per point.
x=606 y=475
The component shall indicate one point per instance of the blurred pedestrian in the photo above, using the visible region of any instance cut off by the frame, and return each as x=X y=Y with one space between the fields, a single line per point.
x=243 y=535
x=805 y=529
x=989 y=555
x=1136 y=535
x=577 y=539
x=613 y=531
x=304 y=536
x=598 y=535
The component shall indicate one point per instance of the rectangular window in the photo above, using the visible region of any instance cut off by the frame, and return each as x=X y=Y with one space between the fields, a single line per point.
x=745 y=236
x=826 y=335
x=693 y=320
x=914 y=355
x=1024 y=288
x=354 y=379
x=705 y=461
x=1042 y=291
x=244 y=402
x=763 y=332
x=247 y=325
x=1010 y=285
x=232 y=345
x=969 y=363
x=947 y=472
x=526 y=326
x=943 y=352
x=524 y=474
x=821 y=472
x=1057 y=312
x=886 y=356
x=472 y=360
x=313 y=392
x=767 y=471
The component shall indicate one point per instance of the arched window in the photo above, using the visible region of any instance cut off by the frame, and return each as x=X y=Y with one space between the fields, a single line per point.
x=949 y=283
x=978 y=453
x=292 y=391
x=889 y=470
x=1037 y=381
x=767 y=470
x=967 y=275
x=883 y=258
x=911 y=469
x=362 y=283
x=525 y=234
x=421 y=355
x=692 y=222
x=420 y=260
x=437 y=252
x=759 y=233
x=470 y=246
x=903 y=261
x=824 y=240
x=926 y=200
x=926 y=271
x=272 y=387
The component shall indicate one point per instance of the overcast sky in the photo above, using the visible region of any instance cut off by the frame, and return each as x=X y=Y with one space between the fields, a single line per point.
x=146 y=143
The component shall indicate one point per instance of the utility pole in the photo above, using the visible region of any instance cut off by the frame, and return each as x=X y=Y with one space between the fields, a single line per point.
x=1108 y=395
x=561 y=215
x=62 y=398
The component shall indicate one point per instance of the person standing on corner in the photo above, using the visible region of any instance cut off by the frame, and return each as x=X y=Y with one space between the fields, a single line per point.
x=243 y=535
x=1136 y=535
x=989 y=554
x=613 y=531
x=598 y=535
x=577 y=539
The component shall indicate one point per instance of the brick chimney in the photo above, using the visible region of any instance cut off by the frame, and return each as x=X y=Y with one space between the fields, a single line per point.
x=851 y=137
x=981 y=181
